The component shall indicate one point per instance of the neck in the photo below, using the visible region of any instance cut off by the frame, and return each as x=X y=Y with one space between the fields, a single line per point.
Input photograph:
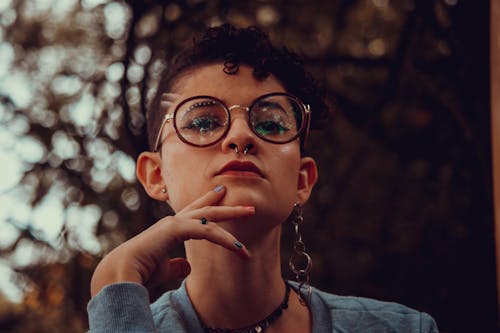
x=227 y=291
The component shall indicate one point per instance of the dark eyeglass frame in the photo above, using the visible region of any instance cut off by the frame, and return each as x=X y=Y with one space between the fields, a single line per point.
x=304 y=109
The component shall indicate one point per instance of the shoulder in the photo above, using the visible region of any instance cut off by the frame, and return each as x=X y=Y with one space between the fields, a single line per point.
x=354 y=303
x=360 y=314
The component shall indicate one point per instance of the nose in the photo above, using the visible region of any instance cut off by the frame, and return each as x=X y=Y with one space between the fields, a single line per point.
x=240 y=137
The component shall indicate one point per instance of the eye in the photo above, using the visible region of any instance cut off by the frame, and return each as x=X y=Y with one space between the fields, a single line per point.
x=270 y=127
x=201 y=116
x=270 y=118
x=203 y=124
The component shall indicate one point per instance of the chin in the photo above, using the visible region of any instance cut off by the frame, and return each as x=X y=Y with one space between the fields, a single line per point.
x=241 y=199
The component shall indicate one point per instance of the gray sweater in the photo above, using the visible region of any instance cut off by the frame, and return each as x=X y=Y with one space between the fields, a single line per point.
x=124 y=307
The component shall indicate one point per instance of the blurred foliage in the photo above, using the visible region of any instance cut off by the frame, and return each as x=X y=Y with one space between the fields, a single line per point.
x=403 y=209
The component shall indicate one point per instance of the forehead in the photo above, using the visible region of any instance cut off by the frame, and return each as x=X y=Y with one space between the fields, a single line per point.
x=211 y=80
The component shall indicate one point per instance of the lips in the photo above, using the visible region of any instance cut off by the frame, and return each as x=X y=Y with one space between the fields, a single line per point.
x=241 y=169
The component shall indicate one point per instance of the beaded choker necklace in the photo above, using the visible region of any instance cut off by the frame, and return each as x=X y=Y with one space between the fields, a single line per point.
x=257 y=327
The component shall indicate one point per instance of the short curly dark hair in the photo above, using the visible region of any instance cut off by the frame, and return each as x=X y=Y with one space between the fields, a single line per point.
x=234 y=46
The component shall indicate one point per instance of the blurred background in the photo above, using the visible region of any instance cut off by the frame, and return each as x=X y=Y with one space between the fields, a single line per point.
x=403 y=209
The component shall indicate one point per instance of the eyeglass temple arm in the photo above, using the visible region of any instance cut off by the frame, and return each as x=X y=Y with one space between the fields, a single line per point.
x=307 y=108
x=166 y=119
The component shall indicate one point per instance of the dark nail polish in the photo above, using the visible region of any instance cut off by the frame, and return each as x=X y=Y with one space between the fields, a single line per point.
x=238 y=245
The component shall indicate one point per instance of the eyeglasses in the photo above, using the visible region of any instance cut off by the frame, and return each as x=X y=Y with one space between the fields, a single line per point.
x=203 y=121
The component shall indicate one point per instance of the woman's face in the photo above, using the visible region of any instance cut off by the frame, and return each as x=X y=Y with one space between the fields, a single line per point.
x=189 y=172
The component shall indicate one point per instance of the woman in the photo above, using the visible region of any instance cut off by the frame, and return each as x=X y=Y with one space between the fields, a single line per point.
x=226 y=131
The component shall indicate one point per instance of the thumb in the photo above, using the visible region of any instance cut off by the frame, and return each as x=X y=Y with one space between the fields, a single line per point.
x=170 y=270
x=178 y=268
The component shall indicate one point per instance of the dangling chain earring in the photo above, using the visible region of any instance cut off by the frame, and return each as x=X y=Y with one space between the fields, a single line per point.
x=301 y=275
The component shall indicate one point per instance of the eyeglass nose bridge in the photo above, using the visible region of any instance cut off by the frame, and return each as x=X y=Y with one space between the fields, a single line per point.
x=232 y=107
x=237 y=106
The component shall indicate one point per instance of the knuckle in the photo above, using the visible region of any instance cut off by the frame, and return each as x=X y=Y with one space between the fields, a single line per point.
x=171 y=223
x=211 y=230
x=209 y=212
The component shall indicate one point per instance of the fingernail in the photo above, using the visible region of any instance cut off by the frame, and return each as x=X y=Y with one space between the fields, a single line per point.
x=238 y=245
x=219 y=188
x=250 y=208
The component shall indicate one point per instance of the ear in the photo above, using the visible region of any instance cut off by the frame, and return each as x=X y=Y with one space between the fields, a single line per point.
x=308 y=175
x=148 y=172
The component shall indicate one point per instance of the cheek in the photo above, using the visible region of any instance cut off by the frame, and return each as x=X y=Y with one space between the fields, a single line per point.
x=287 y=171
x=284 y=190
x=183 y=178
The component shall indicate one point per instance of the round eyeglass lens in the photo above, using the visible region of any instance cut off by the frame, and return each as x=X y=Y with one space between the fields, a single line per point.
x=276 y=118
x=201 y=121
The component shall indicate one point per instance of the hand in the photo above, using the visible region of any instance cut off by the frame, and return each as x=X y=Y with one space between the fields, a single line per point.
x=144 y=258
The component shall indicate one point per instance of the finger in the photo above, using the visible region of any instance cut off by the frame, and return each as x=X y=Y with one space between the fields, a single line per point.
x=169 y=270
x=215 y=234
x=220 y=213
x=173 y=230
x=212 y=197
x=179 y=268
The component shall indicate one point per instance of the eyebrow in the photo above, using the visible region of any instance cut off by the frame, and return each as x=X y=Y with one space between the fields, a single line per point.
x=201 y=104
x=169 y=96
x=167 y=100
x=272 y=103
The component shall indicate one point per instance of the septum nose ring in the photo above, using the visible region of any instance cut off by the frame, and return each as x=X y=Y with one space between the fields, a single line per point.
x=237 y=151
